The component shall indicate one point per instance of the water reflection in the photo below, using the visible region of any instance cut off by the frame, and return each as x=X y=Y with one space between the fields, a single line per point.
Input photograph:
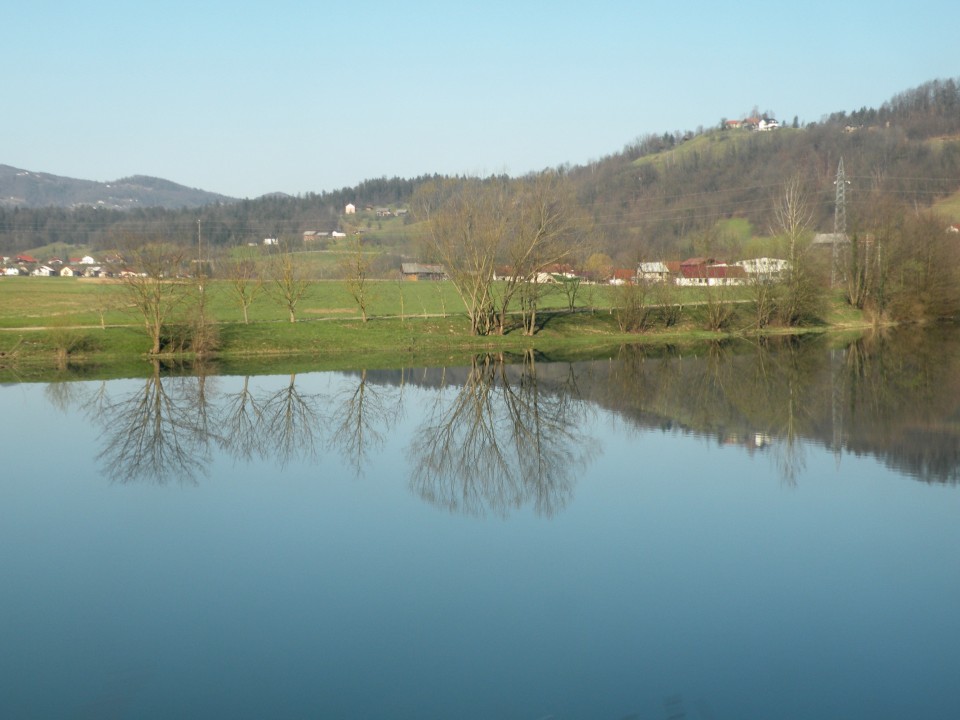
x=506 y=439
x=289 y=421
x=158 y=432
x=894 y=395
x=362 y=415
x=504 y=434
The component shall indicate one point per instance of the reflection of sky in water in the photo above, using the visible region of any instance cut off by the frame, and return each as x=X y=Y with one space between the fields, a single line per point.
x=681 y=574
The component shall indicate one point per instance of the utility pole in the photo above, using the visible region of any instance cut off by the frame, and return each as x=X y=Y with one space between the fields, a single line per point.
x=199 y=257
x=839 y=218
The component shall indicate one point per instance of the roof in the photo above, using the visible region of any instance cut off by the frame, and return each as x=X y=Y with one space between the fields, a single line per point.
x=409 y=268
x=829 y=238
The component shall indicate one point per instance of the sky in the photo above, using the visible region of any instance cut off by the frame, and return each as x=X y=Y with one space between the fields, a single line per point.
x=248 y=98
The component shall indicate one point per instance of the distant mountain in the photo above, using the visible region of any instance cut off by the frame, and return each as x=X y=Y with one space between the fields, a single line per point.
x=25 y=188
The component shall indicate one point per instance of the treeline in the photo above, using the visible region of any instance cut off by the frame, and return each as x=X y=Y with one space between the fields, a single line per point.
x=222 y=224
x=660 y=197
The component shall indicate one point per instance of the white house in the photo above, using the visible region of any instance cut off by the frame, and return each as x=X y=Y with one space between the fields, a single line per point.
x=43 y=271
x=350 y=209
x=763 y=267
x=271 y=241
x=337 y=234
x=653 y=272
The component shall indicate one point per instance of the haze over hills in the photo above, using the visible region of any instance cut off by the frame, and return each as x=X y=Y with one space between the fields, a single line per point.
x=26 y=188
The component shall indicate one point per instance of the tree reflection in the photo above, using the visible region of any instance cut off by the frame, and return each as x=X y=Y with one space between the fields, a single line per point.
x=513 y=434
x=289 y=424
x=903 y=401
x=361 y=417
x=503 y=441
x=241 y=419
x=158 y=432
x=64 y=394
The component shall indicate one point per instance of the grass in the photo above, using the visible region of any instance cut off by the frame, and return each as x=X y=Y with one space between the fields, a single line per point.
x=949 y=207
x=40 y=302
x=54 y=325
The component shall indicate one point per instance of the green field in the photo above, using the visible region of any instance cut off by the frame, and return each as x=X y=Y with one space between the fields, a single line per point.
x=87 y=326
x=27 y=302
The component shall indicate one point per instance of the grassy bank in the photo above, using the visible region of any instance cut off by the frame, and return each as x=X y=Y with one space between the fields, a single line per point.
x=49 y=324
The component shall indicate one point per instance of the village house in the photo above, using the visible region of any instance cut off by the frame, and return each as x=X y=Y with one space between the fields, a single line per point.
x=700 y=271
x=420 y=271
x=764 y=267
x=653 y=272
x=623 y=276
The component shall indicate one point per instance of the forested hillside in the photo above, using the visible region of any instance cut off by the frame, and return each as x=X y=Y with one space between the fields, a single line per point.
x=661 y=196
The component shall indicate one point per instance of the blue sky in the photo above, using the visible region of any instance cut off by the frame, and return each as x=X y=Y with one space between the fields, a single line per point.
x=248 y=98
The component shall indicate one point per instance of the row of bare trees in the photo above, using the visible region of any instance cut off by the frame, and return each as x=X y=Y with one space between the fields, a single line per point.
x=165 y=290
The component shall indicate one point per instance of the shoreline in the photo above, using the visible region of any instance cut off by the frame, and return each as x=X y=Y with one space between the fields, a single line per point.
x=87 y=352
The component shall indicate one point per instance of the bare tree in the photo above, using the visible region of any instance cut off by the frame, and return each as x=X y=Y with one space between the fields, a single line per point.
x=923 y=259
x=763 y=289
x=543 y=230
x=289 y=283
x=246 y=282
x=475 y=225
x=152 y=278
x=467 y=223
x=801 y=297
x=355 y=267
x=105 y=301
x=718 y=307
x=632 y=310
x=570 y=287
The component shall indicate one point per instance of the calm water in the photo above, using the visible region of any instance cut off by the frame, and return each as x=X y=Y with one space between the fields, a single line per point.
x=736 y=532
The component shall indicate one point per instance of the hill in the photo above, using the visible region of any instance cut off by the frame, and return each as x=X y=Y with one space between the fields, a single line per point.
x=670 y=195
x=24 y=188
x=665 y=195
